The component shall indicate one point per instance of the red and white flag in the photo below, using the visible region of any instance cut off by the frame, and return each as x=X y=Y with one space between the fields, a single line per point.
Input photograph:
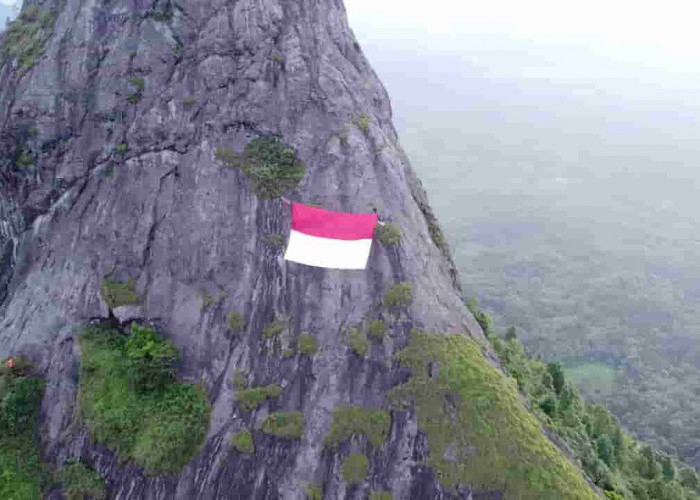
x=336 y=240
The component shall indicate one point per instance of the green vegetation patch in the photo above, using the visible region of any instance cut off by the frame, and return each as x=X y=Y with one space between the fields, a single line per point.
x=478 y=431
x=399 y=295
x=376 y=328
x=313 y=492
x=25 y=37
x=188 y=102
x=381 y=495
x=138 y=83
x=131 y=402
x=349 y=420
x=271 y=165
x=389 y=234
x=481 y=317
x=251 y=399
x=287 y=424
x=273 y=239
x=438 y=238
x=117 y=294
x=307 y=344
x=355 y=468
x=243 y=442
x=362 y=122
x=357 y=341
x=121 y=149
x=234 y=321
x=80 y=481
x=20 y=397
x=273 y=329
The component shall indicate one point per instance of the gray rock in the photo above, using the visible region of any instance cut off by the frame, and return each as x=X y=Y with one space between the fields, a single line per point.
x=126 y=314
x=170 y=216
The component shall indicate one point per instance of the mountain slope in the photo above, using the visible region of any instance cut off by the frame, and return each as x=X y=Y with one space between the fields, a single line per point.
x=114 y=200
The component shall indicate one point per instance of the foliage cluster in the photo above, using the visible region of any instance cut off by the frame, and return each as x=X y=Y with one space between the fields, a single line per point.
x=131 y=402
x=20 y=397
x=362 y=122
x=273 y=239
x=234 y=321
x=376 y=328
x=349 y=420
x=313 y=492
x=307 y=344
x=243 y=442
x=121 y=149
x=471 y=411
x=480 y=316
x=26 y=36
x=188 y=102
x=355 y=468
x=400 y=295
x=273 y=329
x=389 y=234
x=80 y=481
x=251 y=399
x=271 y=165
x=615 y=461
x=357 y=341
x=287 y=424
x=117 y=294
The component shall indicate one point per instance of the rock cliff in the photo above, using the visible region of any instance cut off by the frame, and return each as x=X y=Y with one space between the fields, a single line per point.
x=111 y=114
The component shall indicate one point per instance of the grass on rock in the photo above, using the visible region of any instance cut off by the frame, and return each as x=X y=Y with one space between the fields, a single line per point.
x=349 y=420
x=470 y=410
x=131 y=402
x=243 y=442
x=307 y=344
x=20 y=397
x=117 y=294
x=355 y=468
x=399 y=295
x=251 y=399
x=271 y=165
x=287 y=424
x=80 y=481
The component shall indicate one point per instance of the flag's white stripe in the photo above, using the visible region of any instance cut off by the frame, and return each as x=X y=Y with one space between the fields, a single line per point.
x=327 y=252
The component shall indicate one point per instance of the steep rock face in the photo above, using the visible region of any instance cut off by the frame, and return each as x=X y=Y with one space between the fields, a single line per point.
x=166 y=214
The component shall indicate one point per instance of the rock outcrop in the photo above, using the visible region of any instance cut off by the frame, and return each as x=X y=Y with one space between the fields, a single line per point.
x=108 y=168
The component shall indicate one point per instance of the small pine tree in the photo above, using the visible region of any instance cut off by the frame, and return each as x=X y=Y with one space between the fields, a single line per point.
x=558 y=378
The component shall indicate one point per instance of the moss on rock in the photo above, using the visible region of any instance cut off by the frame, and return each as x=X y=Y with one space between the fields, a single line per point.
x=251 y=399
x=349 y=420
x=355 y=468
x=478 y=430
x=287 y=424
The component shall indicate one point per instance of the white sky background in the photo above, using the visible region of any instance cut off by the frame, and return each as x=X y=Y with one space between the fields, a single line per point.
x=660 y=36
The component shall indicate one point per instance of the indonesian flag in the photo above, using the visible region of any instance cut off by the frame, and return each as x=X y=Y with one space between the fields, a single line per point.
x=336 y=240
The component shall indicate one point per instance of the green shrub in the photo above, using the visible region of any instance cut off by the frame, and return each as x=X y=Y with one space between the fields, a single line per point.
x=25 y=37
x=188 y=102
x=355 y=468
x=20 y=398
x=133 y=98
x=381 y=495
x=80 y=481
x=398 y=296
x=243 y=442
x=307 y=344
x=289 y=424
x=389 y=234
x=278 y=58
x=273 y=329
x=376 y=328
x=469 y=406
x=362 y=122
x=162 y=428
x=273 y=239
x=117 y=294
x=152 y=359
x=611 y=495
x=121 y=149
x=270 y=164
x=438 y=238
x=313 y=492
x=240 y=380
x=349 y=420
x=251 y=399
x=358 y=341
x=25 y=160
x=288 y=353
x=484 y=320
x=234 y=321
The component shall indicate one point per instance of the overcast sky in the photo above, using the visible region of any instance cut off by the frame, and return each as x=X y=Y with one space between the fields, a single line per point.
x=563 y=38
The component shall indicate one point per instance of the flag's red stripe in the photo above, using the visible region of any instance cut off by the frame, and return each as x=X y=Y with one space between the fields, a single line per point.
x=337 y=225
